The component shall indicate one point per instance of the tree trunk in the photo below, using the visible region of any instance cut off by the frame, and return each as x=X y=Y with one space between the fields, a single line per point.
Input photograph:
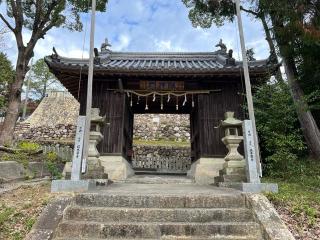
x=12 y=113
x=272 y=47
x=309 y=127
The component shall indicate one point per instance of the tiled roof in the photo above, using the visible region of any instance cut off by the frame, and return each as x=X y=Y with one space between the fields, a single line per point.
x=158 y=62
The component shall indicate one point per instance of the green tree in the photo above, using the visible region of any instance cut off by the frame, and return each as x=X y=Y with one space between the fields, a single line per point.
x=39 y=17
x=42 y=80
x=294 y=27
x=281 y=140
x=6 y=78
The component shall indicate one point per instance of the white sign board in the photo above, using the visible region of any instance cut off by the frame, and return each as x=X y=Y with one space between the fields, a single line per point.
x=78 y=146
x=84 y=165
x=250 y=152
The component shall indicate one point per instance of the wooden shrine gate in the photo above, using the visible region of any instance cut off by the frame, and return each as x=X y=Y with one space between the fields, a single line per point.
x=204 y=85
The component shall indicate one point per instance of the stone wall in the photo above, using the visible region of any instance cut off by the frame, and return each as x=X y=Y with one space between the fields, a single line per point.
x=58 y=132
x=42 y=133
x=174 y=159
x=161 y=127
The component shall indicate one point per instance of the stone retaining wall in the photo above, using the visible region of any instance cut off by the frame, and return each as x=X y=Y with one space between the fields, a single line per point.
x=58 y=132
x=14 y=171
x=167 y=127
x=162 y=158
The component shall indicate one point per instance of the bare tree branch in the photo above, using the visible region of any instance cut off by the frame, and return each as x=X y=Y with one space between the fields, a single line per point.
x=6 y=22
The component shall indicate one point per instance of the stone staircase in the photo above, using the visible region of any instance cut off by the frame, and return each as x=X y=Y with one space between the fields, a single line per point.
x=163 y=211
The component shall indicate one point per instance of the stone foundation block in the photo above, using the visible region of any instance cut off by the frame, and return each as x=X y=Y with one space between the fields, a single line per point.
x=72 y=186
x=11 y=170
x=251 y=187
x=116 y=167
x=205 y=170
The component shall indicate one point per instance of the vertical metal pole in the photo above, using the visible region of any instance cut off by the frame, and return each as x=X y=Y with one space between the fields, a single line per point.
x=248 y=87
x=89 y=87
x=27 y=92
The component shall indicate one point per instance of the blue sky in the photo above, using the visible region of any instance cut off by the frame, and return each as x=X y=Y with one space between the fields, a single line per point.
x=147 y=25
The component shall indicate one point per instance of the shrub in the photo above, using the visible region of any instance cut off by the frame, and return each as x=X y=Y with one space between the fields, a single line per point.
x=19 y=157
x=29 y=147
x=51 y=162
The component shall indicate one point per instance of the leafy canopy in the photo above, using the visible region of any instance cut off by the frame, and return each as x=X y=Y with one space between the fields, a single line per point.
x=45 y=14
x=204 y=13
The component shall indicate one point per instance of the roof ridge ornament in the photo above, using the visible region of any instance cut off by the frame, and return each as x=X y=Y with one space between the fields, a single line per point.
x=223 y=47
x=105 y=46
x=55 y=53
x=225 y=55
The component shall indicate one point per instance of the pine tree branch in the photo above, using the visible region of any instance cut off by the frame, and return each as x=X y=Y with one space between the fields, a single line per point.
x=249 y=11
x=18 y=16
x=36 y=22
x=41 y=30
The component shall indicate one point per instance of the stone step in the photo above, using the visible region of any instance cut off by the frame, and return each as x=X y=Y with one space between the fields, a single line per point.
x=159 y=179
x=175 y=238
x=98 y=214
x=160 y=201
x=76 y=229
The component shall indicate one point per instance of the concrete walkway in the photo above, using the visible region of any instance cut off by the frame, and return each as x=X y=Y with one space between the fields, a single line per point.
x=164 y=189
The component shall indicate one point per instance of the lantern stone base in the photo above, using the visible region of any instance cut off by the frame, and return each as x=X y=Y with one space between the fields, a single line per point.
x=233 y=171
x=235 y=164
x=94 y=171
x=251 y=187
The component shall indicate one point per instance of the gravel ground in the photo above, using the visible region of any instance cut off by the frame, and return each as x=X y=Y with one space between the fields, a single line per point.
x=299 y=225
x=20 y=205
x=6 y=187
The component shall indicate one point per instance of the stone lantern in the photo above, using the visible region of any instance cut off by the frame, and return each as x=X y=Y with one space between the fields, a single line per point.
x=94 y=168
x=234 y=162
x=95 y=136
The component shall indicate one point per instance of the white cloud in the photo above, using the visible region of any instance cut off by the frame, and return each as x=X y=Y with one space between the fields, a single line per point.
x=166 y=46
x=122 y=43
x=163 y=45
